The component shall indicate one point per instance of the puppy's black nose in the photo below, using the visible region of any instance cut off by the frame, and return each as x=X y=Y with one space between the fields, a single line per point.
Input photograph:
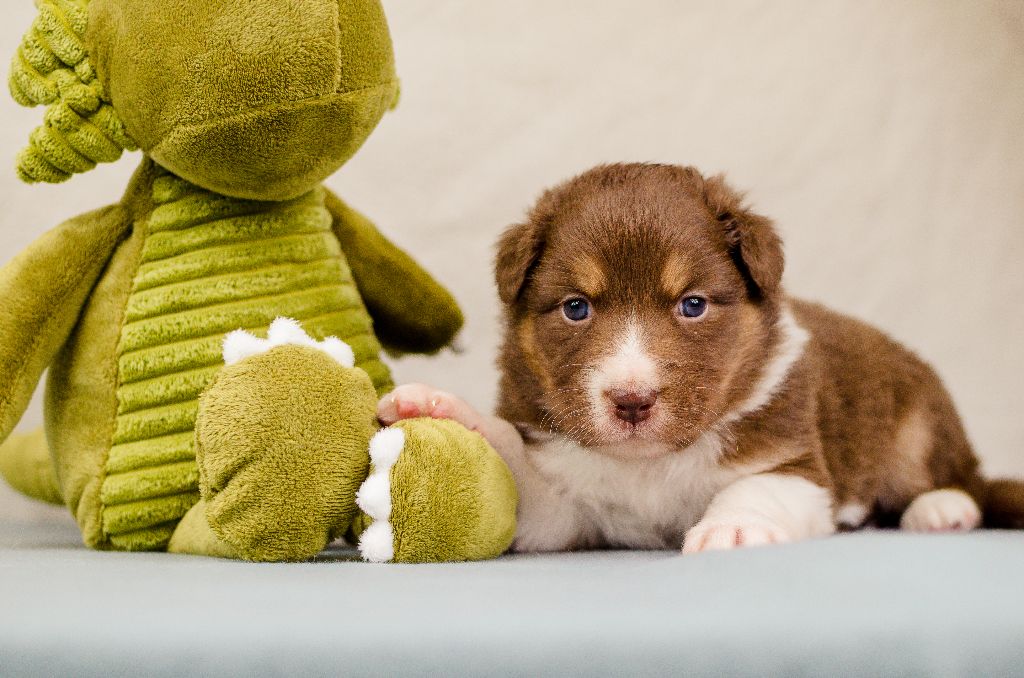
x=632 y=405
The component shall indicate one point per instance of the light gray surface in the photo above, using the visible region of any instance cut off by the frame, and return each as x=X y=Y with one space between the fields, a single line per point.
x=863 y=604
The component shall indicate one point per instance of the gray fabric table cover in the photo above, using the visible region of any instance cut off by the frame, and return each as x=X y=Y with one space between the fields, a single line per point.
x=876 y=603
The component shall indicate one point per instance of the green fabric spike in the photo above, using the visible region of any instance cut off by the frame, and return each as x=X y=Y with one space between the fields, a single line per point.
x=82 y=134
x=62 y=29
x=52 y=67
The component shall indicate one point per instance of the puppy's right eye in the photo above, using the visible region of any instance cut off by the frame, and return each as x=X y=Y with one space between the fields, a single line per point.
x=693 y=307
x=576 y=309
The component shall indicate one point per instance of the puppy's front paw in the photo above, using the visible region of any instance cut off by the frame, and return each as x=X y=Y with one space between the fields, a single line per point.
x=946 y=510
x=407 y=401
x=721 y=535
x=411 y=401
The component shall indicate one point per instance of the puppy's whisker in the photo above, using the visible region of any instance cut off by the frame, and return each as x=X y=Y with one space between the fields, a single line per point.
x=568 y=389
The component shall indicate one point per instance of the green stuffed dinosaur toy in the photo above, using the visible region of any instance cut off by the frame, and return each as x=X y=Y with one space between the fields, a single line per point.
x=160 y=433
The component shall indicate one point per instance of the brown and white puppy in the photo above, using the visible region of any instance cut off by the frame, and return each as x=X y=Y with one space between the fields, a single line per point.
x=666 y=387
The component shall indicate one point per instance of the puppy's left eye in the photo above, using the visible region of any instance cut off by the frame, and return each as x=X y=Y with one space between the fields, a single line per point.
x=576 y=309
x=693 y=307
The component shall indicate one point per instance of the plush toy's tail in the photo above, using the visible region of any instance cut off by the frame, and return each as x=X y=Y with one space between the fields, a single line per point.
x=26 y=465
x=1004 y=504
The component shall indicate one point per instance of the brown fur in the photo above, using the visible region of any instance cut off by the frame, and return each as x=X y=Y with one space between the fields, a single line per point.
x=858 y=413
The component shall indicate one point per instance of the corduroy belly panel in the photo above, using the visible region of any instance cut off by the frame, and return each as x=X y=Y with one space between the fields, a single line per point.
x=210 y=265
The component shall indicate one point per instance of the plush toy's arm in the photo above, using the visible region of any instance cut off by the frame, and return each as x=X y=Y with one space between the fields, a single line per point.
x=42 y=291
x=411 y=311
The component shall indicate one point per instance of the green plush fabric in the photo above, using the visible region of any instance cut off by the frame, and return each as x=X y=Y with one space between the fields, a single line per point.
x=452 y=496
x=25 y=463
x=193 y=535
x=191 y=285
x=43 y=289
x=234 y=98
x=412 y=313
x=131 y=353
x=283 y=444
x=281 y=447
x=242 y=111
x=81 y=389
x=53 y=68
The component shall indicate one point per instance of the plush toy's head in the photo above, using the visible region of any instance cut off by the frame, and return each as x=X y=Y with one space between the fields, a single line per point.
x=257 y=99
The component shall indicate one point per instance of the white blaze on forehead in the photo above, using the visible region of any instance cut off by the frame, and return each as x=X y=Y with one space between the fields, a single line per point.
x=629 y=366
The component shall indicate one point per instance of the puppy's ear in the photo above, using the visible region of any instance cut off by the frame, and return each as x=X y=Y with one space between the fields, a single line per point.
x=518 y=251
x=520 y=248
x=753 y=242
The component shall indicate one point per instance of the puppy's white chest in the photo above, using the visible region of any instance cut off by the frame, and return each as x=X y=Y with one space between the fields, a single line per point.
x=633 y=503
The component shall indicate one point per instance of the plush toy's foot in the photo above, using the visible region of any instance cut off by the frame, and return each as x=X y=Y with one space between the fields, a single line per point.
x=281 y=443
x=437 y=492
x=194 y=536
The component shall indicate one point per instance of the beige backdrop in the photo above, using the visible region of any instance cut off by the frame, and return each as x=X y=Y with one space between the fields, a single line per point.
x=886 y=138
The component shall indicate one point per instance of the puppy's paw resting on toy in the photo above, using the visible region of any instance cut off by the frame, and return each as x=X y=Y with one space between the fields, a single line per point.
x=410 y=401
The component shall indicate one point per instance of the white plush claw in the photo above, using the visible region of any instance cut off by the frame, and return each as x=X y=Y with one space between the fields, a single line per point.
x=376 y=543
x=287 y=331
x=374 y=497
x=385 y=447
x=240 y=344
x=339 y=350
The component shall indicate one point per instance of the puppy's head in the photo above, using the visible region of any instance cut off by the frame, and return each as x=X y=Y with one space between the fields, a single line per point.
x=640 y=302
